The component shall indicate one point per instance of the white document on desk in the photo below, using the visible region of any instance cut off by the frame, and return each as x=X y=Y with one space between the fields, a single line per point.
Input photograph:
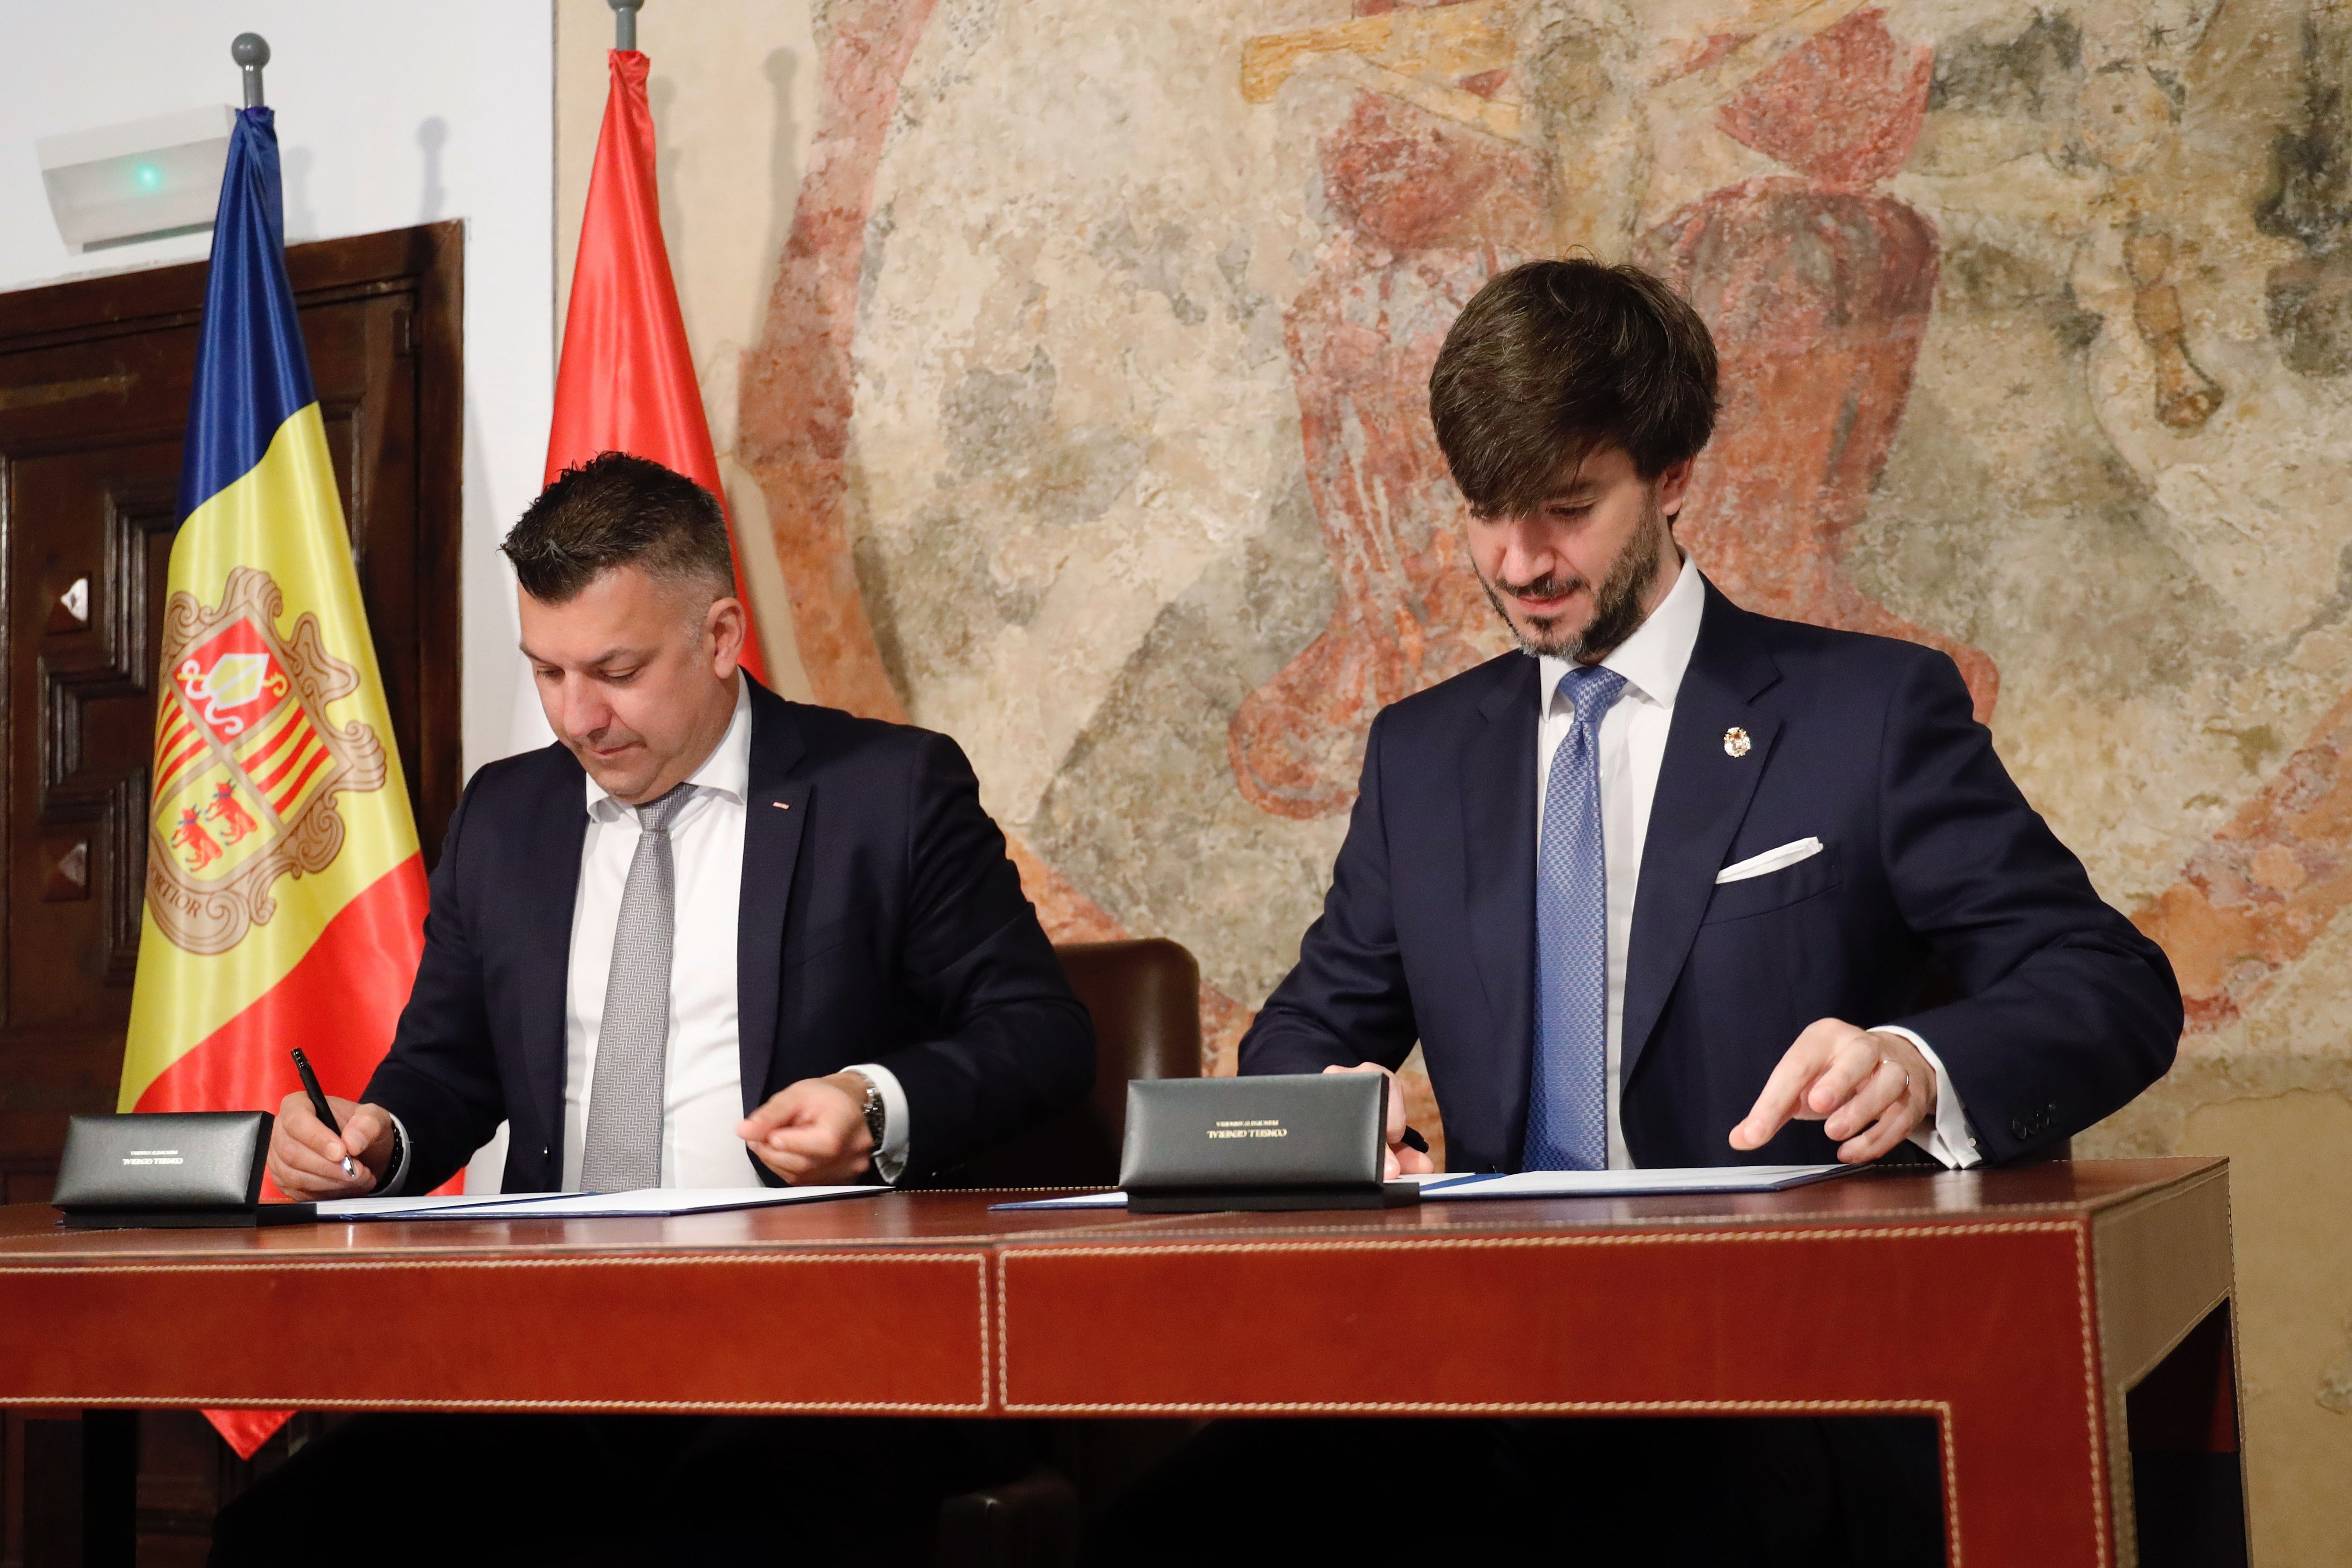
x=1662 y=1181
x=650 y=1202
x=1439 y=1187
x=414 y=1207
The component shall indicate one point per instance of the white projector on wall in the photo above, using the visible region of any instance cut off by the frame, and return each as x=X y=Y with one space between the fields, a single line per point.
x=145 y=179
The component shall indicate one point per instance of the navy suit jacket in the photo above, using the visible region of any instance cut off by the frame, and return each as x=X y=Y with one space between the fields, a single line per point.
x=880 y=922
x=1936 y=876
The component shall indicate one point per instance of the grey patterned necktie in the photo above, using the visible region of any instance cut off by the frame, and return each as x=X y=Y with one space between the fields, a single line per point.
x=625 y=1100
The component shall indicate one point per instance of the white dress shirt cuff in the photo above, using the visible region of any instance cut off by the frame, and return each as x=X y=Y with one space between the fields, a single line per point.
x=1948 y=1141
x=890 y=1159
x=390 y=1186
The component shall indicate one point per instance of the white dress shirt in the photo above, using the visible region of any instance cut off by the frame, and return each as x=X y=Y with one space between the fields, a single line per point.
x=702 y=1073
x=1633 y=747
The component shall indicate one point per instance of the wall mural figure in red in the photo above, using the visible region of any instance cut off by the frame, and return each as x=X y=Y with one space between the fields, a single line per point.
x=1431 y=196
x=1818 y=290
x=1430 y=210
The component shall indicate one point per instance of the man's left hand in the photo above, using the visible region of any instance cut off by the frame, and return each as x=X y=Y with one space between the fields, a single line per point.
x=813 y=1132
x=1868 y=1090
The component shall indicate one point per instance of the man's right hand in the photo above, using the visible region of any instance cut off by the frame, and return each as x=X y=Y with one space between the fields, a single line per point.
x=1403 y=1159
x=306 y=1159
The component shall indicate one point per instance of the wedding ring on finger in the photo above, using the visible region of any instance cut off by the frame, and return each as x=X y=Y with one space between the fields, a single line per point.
x=1910 y=1090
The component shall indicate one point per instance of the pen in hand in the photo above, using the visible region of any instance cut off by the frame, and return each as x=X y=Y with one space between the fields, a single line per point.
x=319 y=1104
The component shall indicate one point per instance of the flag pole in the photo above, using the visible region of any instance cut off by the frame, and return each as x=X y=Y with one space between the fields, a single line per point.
x=250 y=51
x=625 y=23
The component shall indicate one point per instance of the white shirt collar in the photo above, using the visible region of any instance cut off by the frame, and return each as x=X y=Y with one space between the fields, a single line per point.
x=726 y=771
x=1654 y=659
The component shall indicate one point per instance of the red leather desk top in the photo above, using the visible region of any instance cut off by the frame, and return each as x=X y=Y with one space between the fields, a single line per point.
x=2013 y=1305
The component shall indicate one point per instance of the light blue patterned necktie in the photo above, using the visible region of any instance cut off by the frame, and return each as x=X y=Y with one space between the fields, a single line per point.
x=1567 y=1089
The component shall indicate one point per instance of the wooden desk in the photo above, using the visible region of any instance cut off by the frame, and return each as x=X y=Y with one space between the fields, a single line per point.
x=2019 y=1308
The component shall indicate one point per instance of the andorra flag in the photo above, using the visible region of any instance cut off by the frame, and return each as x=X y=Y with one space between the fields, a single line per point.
x=285 y=893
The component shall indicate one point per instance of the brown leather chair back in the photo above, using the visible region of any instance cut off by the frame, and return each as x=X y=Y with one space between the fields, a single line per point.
x=1145 y=997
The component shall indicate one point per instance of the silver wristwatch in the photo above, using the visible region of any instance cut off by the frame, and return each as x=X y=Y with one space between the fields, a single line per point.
x=871 y=1108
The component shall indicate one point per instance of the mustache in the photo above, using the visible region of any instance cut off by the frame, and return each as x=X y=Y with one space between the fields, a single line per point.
x=1549 y=586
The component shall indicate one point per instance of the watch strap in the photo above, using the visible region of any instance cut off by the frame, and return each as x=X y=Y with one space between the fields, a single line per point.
x=873 y=1107
x=395 y=1169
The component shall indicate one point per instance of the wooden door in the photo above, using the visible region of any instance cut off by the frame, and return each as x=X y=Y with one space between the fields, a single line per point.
x=94 y=385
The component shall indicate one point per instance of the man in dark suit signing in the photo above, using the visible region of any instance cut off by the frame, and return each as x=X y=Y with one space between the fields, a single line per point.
x=711 y=938
x=1678 y=884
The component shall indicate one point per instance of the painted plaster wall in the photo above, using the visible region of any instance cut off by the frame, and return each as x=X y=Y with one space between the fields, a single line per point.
x=1071 y=352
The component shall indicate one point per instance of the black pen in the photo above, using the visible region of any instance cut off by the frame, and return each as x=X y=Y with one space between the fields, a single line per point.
x=1414 y=1141
x=319 y=1103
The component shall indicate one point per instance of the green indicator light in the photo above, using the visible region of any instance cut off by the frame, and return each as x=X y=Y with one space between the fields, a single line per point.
x=147 y=177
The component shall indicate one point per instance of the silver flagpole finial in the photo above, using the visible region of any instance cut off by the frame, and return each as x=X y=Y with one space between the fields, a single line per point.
x=625 y=23
x=251 y=51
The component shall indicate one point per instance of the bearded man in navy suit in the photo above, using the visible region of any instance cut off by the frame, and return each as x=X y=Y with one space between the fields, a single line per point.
x=1675 y=885
x=1687 y=885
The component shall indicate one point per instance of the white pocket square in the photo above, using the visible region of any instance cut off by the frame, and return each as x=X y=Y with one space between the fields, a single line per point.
x=1769 y=861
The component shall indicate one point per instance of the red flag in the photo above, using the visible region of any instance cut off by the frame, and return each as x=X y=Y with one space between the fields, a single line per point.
x=626 y=382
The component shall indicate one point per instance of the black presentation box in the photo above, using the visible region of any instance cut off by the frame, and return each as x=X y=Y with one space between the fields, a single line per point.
x=1285 y=1141
x=169 y=1169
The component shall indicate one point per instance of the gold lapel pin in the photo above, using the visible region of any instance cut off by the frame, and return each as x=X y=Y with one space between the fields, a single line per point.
x=1736 y=742
x=783 y=805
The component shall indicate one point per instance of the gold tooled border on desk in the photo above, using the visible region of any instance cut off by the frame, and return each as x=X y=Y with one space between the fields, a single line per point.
x=2092 y=1401
x=309 y=1266
x=2078 y=1229
x=2120 y=1375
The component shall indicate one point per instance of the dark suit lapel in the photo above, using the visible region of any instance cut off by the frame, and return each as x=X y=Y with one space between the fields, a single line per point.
x=1498 y=831
x=775 y=808
x=1702 y=796
x=559 y=833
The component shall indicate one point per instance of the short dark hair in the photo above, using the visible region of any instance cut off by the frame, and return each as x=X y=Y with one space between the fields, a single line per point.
x=616 y=510
x=1555 y=360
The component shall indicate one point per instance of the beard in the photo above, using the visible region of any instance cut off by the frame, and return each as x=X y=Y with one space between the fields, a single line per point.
x=1616 y=605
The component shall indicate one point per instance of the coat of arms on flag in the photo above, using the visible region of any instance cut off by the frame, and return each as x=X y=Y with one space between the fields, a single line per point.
x=247 y=765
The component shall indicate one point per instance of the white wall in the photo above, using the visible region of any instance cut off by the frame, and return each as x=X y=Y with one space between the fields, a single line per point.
x=387 y=116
